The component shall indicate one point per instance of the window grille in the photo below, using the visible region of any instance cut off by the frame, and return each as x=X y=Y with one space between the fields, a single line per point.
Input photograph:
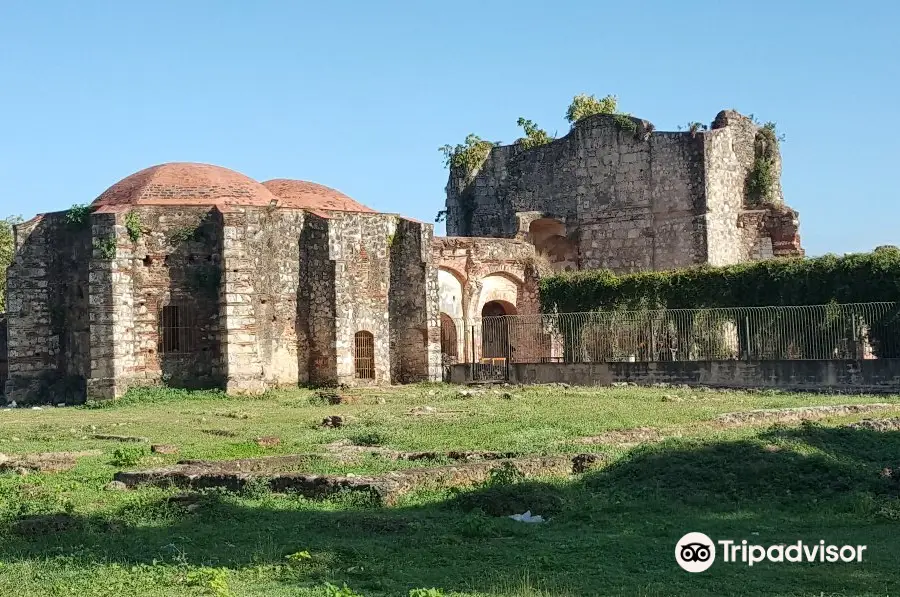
x=177 y=330
x=364 y=343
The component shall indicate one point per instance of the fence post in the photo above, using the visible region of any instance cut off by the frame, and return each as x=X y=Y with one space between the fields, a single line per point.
x=472 y=343
x=747 y=334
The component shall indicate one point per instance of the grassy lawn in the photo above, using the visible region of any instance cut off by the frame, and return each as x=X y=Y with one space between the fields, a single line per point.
x=612 y=531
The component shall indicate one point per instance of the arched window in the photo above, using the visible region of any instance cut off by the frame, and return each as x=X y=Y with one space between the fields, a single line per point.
x=449 y=341
x=364 y=359
x=177 y=329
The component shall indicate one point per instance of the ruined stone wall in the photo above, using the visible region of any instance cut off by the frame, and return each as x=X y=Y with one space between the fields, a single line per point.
x=4 y=363
x=360 y=247
x=629 y=201
x=47 y=306
x=473 y=271
x=634 y=199
x=175 y=261
x=413 y=305
x=316 y=301
x=265 y=244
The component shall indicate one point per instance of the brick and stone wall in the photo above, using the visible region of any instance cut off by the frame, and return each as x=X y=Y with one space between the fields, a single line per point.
x=262 y=278
x=4 y=363
x=629 y=201
x=413 y=305
x=317 y=335
x=48 y=330
x=176 y=261
x=473 y=271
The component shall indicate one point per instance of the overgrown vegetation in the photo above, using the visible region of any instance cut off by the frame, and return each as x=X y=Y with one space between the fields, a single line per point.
x=133 y=226
x=762 y=178
x=184 y=234
x=106 y=246
x=466 y=158
x=863 y=277
x=534 y=136
x=64 y=534
x=7 y=252
x=584 y=105
x=78 y=216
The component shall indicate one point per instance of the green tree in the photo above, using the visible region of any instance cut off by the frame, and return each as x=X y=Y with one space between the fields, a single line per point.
x=584 y=105
x=7 y=250
x=534 y=136
x=469 y=156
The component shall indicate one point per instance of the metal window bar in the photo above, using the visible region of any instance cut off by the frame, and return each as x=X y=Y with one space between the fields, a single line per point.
x=177 y=330
x=820 y=332
x=364 y=355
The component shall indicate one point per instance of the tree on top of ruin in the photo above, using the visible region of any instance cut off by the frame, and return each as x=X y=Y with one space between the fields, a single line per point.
x=584 y=105
x=534 y=136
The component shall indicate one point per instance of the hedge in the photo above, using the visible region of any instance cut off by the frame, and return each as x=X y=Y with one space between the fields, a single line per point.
x=855 y=278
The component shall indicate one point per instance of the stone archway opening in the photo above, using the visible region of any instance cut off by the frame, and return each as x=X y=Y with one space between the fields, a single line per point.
x=495 y=329
x=551 y=241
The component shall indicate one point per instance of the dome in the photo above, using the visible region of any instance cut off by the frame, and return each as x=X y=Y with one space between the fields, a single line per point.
x=185 y=184
x=300 y=194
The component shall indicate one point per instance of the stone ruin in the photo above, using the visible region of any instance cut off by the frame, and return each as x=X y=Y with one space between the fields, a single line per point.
x=192 y=275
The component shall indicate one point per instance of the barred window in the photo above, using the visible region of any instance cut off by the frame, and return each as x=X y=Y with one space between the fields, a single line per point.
x=364 y=344
x=177 y=330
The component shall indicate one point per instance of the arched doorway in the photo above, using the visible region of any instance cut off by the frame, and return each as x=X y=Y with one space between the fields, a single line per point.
x=495 y=329
x=449 y=339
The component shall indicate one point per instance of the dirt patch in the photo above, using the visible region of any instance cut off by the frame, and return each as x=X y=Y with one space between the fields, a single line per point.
x=269 y=441
x=892 y=424
x=385 y=489
x=51 y=462
x=623 y=437
x=345 y=450
x=164 y=449
x=119 y=438
x=796 y=415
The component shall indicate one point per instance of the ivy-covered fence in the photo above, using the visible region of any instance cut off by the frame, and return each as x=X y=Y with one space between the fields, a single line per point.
x=858 y=278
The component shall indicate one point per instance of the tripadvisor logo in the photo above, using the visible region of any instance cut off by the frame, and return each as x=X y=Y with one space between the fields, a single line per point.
x=696 y=552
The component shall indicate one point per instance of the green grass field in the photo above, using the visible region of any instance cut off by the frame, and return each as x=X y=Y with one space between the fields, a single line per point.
x=611 y=531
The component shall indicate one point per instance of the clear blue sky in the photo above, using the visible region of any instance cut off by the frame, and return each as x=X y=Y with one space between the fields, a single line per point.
x=359 y=95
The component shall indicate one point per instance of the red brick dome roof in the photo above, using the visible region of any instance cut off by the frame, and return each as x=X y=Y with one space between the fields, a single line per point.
x=185 y=184
x=301 y=194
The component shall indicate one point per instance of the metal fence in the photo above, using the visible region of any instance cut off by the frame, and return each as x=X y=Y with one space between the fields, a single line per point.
x=850 y=331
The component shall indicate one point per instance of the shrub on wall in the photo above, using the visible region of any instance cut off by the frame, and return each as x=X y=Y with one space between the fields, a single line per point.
x=857 y=278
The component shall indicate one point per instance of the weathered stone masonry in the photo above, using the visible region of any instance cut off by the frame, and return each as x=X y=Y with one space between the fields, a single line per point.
x=195 y=276
x=628 y=201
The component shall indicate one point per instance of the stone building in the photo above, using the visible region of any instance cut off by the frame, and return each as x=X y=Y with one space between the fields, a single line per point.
x=198 y=276
x=194 y=275
x=616 y=194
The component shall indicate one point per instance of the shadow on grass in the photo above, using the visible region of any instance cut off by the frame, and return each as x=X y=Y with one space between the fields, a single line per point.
x=612 y=531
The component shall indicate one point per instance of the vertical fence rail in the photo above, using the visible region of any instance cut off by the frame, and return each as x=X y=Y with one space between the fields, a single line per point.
x=835 y=331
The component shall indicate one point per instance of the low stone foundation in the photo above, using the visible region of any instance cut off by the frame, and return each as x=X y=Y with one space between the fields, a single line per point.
x=386 y=489
x=856 y=376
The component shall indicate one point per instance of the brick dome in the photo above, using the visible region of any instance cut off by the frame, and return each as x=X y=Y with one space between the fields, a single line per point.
x=185 y=184
x=301 y=194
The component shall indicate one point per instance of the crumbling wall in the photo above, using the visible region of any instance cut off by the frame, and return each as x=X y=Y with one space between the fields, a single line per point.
x=267 y=242
x=176 y=260
x=413 y=305
x=360 y=245
x=632 y=200
x=317 y=333
x=48 y=330
x=4 y=363
x=635 y=197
